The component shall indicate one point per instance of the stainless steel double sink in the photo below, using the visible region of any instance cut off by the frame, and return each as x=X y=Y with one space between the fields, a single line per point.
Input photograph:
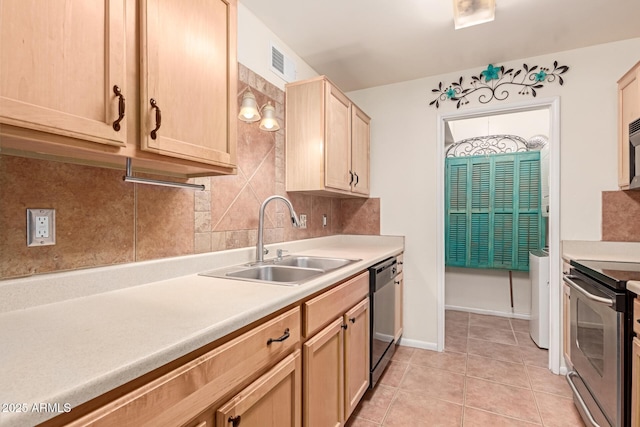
x=289 y=271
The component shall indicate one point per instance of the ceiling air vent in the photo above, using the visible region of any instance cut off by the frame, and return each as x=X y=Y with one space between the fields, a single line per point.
x=282 y=65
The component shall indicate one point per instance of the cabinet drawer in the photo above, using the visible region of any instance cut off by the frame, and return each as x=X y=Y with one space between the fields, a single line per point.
x=636 y=316
x=322 y=309
x=177 y=396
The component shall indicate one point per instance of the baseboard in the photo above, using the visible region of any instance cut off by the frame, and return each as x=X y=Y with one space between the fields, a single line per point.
x=418 y=344
x=489 y=312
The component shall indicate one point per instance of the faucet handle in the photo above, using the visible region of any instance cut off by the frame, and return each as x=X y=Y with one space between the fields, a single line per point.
x=280 y=252
x=265 y=251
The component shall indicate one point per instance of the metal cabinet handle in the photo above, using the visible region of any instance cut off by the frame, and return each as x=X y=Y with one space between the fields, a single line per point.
x=596 y=298
x=397 y=282
x=118 y=93
x=282 y=338
x=569 y=377
x=235 y=421
x=357 y=179
x=351 y=180
x=352 y=320
x=345 y=326
x=154 y=132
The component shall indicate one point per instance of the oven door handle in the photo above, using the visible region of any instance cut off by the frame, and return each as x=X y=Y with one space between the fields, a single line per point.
x=583 y=291
x=576 y=393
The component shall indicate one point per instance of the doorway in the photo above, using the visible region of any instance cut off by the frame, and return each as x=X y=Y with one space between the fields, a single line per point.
x=550 y=107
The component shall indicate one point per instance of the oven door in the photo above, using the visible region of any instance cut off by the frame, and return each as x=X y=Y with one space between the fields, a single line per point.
x=597 y=348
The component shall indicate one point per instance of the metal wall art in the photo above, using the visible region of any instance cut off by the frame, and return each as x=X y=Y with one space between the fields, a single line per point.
x=486 y=145
x=494 y=83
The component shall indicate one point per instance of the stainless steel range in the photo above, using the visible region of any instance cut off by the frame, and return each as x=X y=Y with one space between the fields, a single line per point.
x=601 y=329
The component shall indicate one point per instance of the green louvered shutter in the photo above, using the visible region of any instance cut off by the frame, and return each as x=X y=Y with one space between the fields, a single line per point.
x=493 y=212
x=456 y=202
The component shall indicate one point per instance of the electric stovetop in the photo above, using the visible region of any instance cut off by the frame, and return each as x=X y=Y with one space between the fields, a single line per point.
x=614 y=274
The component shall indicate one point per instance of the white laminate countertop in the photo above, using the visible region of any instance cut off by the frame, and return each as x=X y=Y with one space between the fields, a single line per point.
x=90 y=331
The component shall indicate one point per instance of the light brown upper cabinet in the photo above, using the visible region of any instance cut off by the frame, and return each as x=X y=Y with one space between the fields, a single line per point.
x=188 y=80
x=59 y=63
x=628 y=111
x=327 y=140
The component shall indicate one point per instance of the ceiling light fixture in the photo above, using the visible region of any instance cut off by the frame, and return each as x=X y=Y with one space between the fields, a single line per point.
x=250 y=112
x=473 y=12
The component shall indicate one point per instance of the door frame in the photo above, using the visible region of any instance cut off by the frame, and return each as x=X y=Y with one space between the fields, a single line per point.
x=556 y=364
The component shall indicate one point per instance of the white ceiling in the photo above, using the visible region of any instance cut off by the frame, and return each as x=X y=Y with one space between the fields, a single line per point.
x=366 y=43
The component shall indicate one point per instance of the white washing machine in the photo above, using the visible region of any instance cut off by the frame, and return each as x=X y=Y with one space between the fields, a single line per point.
x=539 y=276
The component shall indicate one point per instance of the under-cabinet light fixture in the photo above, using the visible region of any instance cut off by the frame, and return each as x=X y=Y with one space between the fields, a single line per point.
x=130 y=178
x=250 y=112
x=467 y=13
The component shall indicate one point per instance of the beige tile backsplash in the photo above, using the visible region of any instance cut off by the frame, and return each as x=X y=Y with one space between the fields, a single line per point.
x=103 y=221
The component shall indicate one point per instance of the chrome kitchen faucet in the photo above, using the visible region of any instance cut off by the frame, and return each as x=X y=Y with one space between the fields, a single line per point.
x=294 y=221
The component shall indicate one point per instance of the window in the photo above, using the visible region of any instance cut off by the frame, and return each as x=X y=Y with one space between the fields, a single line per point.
x=492 y=210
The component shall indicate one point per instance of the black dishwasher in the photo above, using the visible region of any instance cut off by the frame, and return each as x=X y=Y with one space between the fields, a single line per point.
x=382 y=297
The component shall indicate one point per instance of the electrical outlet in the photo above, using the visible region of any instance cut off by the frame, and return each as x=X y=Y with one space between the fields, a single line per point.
x=324 y=220
x=41 y=227
x=303 y=221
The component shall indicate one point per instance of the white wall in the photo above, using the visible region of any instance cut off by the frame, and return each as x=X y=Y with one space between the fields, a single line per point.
x=403 y=160
x=523 y=124
x=254 y=49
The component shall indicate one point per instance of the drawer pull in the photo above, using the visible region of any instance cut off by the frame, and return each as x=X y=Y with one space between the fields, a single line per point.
x=235 y=421
x=154 y=104
x=118 y=93
x=282 y=338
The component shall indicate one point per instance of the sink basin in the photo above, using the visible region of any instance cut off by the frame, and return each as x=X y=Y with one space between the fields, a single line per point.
x=322 y=263
x=276 y=273
x=289 y=271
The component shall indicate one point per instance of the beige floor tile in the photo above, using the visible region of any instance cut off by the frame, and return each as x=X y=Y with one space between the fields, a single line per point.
x=501 y=399
x=435 y=383
x=489 y=321
x=558 y=411
x=456 y=315
x=542 y=379
x=498 y=371
x=393 y=373
x=457 y=343
x=403 y=353
x=422 y=411
x=501 y=336
x=375 y=404
x=456 y=328
x=450 y=361
x=520 y=325
x=508 y=353
x=524 y=340
x=535 y=356
x=477 y=418
x=360 y=422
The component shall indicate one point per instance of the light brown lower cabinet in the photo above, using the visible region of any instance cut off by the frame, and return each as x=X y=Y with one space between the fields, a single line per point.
x=274 y=400
x=336 y=359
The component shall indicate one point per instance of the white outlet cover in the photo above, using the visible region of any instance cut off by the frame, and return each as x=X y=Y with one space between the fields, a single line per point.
x=41 y=227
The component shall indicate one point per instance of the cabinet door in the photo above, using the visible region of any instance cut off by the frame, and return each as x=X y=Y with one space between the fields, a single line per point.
x=628 y=111
x=189 y=69
x=59 y=62
x=399 y=284
x=360 y=150
x=337 y=139
x=273 y=400
x=356 y=355
x=635 y=384
x=323 y=377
